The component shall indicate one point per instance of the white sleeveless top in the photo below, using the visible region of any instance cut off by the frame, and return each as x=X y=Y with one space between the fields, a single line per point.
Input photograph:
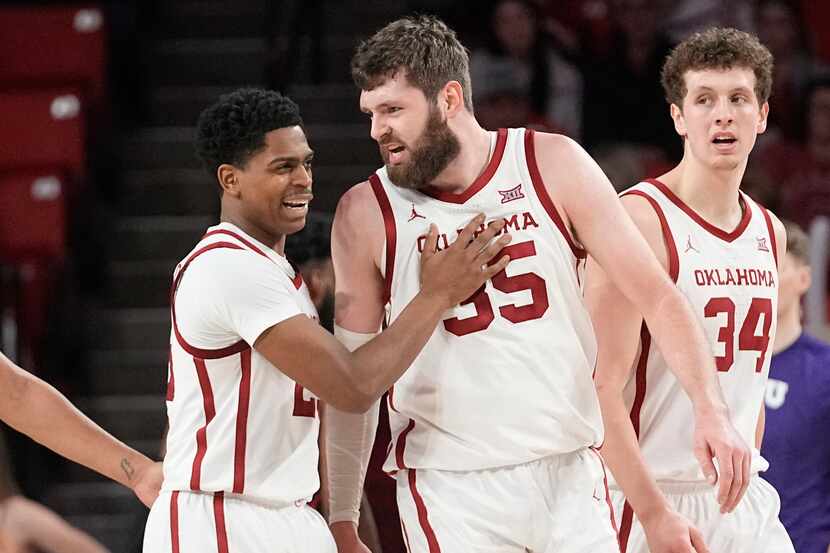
x=506 y=378
x=731 y=281
x=237 y=424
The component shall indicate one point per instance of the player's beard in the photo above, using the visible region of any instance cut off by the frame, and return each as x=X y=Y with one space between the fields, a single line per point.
x=432 y=152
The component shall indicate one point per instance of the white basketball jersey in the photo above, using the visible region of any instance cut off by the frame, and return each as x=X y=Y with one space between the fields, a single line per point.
x=731 y=281
x=506 y=377
x=237 y=424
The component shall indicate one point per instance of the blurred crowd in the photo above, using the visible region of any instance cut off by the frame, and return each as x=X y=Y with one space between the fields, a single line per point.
x=591 y=69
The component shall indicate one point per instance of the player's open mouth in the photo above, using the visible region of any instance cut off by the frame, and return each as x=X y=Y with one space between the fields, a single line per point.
x=724 y=142
x=395 y=154
x=298 y=205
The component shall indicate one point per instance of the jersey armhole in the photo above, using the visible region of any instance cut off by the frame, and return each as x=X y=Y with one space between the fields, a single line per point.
x=544 y=197
x=391 y=235
x=668 y=239
x=771 y=232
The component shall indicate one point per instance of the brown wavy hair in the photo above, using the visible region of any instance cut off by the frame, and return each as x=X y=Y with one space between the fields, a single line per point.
x=717 y=48
x=423 y=47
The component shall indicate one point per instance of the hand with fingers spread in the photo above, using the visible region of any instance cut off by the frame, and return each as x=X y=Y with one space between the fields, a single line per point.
x=667 y=531
x=716 y=437
x=457 y=271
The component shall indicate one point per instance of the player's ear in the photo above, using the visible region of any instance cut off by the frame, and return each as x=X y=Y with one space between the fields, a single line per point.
x=762 y=117
x=228 y=181
x=451 y=98
x=679 y=120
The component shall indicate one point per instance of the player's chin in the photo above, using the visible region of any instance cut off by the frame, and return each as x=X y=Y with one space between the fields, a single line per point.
x=293 y=225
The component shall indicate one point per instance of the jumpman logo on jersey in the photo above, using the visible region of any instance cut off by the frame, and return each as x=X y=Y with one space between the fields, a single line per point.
x=514 y=193
x=689 y=246
x=762 y=244
x=414 y=215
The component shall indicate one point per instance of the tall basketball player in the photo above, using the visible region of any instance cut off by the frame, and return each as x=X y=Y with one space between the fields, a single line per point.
x=721 y=249
x=495 y=426
x=248 y=357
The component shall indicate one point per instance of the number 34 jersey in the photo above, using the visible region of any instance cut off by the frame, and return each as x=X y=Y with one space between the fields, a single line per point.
x=506 y=377
x=731 y=282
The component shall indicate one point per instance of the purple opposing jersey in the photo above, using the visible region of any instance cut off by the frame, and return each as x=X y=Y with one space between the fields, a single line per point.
x=797 y=440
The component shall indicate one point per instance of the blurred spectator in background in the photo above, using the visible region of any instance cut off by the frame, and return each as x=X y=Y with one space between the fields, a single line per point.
x=548 y=86
x=800 y=172
x=502 y=100
x=684 y=17
x=780 y=28
x=26 y=526
x=798 y=410
x=623 y=98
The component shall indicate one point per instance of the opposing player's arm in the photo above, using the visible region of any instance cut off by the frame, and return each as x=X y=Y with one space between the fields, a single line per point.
x=353 y=381
x=33 y=407
x=591 y=205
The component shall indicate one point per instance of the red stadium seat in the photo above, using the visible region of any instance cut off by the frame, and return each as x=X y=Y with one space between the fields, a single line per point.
x=32 y=215
x=54 y=46
x=43 y=128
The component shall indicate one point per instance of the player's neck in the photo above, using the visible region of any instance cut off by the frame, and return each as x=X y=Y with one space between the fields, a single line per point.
x=789 y=329
x=471 y=160
x=712 y=193
x=275 y=242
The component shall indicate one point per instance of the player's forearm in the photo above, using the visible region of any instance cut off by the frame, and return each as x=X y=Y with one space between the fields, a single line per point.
x=347 y=449
x=46 y=416
x=621 y=452
x=382 y=361
x=681 y=340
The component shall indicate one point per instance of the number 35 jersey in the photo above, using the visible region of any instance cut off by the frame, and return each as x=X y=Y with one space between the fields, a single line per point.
x=731 y=282
x=506 y=377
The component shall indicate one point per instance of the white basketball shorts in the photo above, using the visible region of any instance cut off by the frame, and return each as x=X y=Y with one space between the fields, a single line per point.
x=192 y=522
x=556 y=504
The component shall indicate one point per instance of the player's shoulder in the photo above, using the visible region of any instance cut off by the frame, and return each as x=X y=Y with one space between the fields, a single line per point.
x=357 y=210
x=643 y=209
x=230 y=266
x=557 y=145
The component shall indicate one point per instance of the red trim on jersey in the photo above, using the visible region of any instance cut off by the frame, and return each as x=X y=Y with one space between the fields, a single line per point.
x=639 y=398
x=297 y=280
x=771 y=231
x=480 y=182
x=192 y=350
x=171 y=382
x=201 y=434
x=642 y=366
x=608 y=497
x=174 y=521
x=242 y=423
x=391 y=399
x=746 y=216
x=219 y=519
x=625 y=526
x=238 y=237
x=391 y=234
x=423 y=517
x=400 y=444
x=668 y=238
x=544 y=197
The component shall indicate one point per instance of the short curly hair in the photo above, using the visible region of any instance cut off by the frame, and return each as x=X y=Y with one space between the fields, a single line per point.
x=233 y=129
x=717 y=48
x=428 y=52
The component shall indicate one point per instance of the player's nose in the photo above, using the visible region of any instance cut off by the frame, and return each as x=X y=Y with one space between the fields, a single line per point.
x=379 y=127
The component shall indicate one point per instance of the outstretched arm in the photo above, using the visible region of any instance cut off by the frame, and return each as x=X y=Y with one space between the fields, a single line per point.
x=33 y=407
x=353 y=381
